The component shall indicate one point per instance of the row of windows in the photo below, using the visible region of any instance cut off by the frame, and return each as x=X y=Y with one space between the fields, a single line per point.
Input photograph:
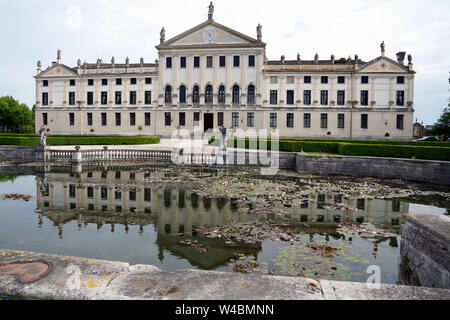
x=210 y=61
x=324 y=79
x=364 y=99
x=104 y=98
x=273 y=121
x=104 y=82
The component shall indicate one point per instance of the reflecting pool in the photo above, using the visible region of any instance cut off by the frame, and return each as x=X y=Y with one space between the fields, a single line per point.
x=215 y=219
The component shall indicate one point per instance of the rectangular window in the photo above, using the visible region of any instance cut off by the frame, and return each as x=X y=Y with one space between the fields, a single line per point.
x=307 y=97
x=118 y=119
x=235 y=119
x=148 y=80
x=90 y=98
x=307 y=79
x=182 y=118
x=104 y=119
x=273 y=97
x=341 y=97
x=71 y=119
x=45 y=98
x=341 y=120
x=196 y=62
x=400 y=98
x=90 y=82
x=273 y=80
x=44 y=119
x=251 y=61
x=250 y=119
x=364 y=118
x=209 y=61
x=72 y=191
x=324 y=97
x=147 y=118
x=167 y=119
x=133 y=81
x=72 y=98
x=90 y=192
x=219 y=119
x=222 y=61
x=290 y=79
x=364 y=97
x=89 y=118
x=196 y=118
x=132 y=97
x=147 y=194
x=118 y=97
x=324 y=120
x=307 y=120
x=104 y=82
x=148 y=97
x=400 y=80
x=169 y=62
x=236 y=61
x=72 y=82
x=290 y=97
x=182 y=62
x=364 y=79
x=45 y=83
x=341 y=79
x=400 y=118
x=290 y=120
x=118 y=82
x=104 y=97
x=323 y=79
x=132 y=119
x=273 y=120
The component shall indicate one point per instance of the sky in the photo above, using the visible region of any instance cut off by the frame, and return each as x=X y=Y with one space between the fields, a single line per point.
x=32 y=30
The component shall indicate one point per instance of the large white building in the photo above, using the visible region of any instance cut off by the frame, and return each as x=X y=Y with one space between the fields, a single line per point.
x=213 y=76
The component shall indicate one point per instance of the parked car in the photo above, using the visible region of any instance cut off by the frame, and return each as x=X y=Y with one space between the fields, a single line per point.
x=428 y=139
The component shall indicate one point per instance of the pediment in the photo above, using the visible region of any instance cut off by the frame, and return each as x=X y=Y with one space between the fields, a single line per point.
x=57 y=70
x=383 y=64
x=222 y=36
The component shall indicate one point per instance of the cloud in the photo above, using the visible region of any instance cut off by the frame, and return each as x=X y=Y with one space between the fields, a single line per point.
x=92 y=29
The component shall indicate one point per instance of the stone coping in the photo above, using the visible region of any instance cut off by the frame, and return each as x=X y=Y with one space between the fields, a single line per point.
x=438 y=225
x=108 y=280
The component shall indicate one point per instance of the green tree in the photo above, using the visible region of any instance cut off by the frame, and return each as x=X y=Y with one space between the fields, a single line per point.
x=442 y=126
x=15 y=116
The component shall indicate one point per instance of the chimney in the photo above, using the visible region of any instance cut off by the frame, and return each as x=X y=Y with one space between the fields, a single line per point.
x=401 y=57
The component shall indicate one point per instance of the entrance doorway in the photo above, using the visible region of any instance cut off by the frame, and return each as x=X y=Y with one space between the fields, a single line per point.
x=208 y=121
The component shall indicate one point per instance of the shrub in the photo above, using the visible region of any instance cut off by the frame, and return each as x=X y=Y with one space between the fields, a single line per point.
x=56 y=140
x=395 y=151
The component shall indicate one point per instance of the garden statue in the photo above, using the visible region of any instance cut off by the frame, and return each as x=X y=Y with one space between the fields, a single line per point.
x=43 y=135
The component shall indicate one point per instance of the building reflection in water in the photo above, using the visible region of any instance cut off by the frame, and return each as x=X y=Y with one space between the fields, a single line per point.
x=123 y=197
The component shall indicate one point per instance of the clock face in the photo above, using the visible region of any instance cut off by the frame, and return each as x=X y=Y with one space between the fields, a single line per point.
x=209 y=35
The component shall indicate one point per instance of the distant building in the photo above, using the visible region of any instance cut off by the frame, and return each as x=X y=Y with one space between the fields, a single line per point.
x=212 y=76
x=419 y=130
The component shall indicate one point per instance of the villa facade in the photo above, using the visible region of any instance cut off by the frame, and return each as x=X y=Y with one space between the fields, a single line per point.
x=212 y=76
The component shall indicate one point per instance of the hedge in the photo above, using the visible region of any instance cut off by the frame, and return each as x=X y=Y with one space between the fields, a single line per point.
x=387 y=142
x=290 y=146
x=374 y=150
x=78 y=140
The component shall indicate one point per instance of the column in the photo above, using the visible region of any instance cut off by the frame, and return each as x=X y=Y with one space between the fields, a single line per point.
x=299 y=95
x=243 y=65
x=51 y=94
x=391 y=92
x=372 y=90
x=281 y=98
x=315 y=89
x=259 y=79
x=410 y=89
x=333 y=95
x=140 y=95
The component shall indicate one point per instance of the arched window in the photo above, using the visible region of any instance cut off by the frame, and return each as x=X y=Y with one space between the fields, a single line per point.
x=182 y=94
x=236 y=94
x=208 y=94
x=221 y=94
x=195 y=95
x=168 y=94
x=251 y=94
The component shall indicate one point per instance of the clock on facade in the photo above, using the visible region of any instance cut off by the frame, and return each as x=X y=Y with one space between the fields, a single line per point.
x=209 y=35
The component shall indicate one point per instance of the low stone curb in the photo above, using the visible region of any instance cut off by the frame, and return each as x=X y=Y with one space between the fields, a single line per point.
x=107 y=280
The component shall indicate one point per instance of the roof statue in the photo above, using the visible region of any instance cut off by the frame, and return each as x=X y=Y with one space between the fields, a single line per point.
x=409 y=59
x=113 y=61
x=298 y=58
x=210 y=11
x=332 y=58
x=259 y=32
x=316 y=58
x=162 y=35
x=141 y=61
x=58 y=54
x=383 y=49
x=39 y=65
x=127 y=62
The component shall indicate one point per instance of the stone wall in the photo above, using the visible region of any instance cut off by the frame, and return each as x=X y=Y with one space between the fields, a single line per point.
x=425 y=245
x=18 y=153
x=437 y=172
